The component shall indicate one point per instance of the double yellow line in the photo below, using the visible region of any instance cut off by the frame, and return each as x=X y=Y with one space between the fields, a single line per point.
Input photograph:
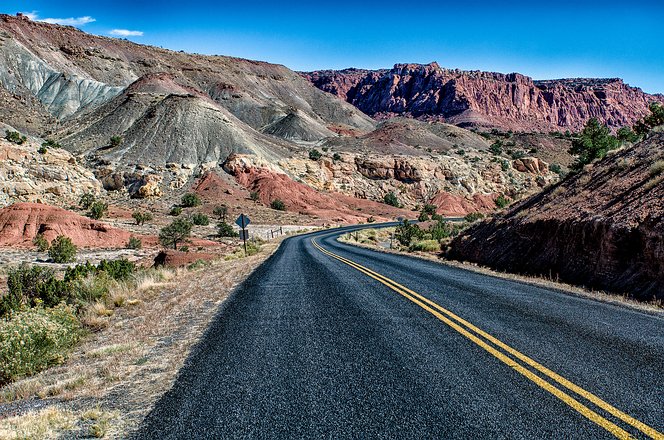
x=492 y=346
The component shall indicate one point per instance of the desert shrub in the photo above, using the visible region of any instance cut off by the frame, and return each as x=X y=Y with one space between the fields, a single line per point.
x=557 y=169
x=50 y=143
x=40 y=242
x=502 y=201
x=98 y=210
x=254 y=196
x=120 y=269
x=424 y=246
x=336 y=157
x=429 y=209
x=221 y=211
x=226 y=230
x=657 y=168
x=32 y=340
x=391 y=199
x=473 y=216
x=496 y=148
x=175 y=211
x=177 y=232
x=442 y=229
x=200 y=219
x=30 y=285
x=190 y=200
x=504 y=165
x=142 y=217
x=437 y=217
x=625 y=134
x=42 y=150
x=371 y=219
x=86 y=201
x=278 y=205
x=517 y=155
x=594 y=141
x=315 y=154
x=406 y=232
x=15 y=137
x=116 y=141
x=423 y=217
x=134 y=243
x=62 y=250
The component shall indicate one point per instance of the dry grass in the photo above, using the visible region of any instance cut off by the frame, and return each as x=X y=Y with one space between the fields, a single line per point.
x=36 y=425
x=656 y=168
x=142 y=333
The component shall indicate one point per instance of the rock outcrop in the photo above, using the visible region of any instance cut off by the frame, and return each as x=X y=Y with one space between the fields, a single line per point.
x=603 y=228
x=510 y=101
x=21 y=222
x=53 y=176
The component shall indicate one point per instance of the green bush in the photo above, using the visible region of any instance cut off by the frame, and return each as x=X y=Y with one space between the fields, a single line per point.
x=278 y=205
x=62 y=250
x=86 y=201
x=336 y=157
x=200 y=219
x=654 y=119
x=406 y=232
x=443 y=229
x=32 y=340
x=423 y=217
x=29 y=285
x=473 y=216
x=429 y=209
x=391 y=199
x=116 y=141
x=190 y=200
x=120 y=269
x=42 y=150
x=557 y=169
x=594 y=141
x=134 y=243
x=254 y=196
x=142 y=217
x=424 y=246
x=315 y=154
x=177 y=232
x=98 y=210
x=175 y=211
x=226 y=230
x=502 y=201
x=50 y=143
x=41 y=242
x=15 y=137
x=496 y=148
x=505 y=165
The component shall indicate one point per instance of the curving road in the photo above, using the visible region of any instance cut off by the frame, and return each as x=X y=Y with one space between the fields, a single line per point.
x=327 y=340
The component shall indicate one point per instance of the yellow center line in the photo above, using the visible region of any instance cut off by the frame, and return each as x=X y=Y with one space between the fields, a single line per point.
x=440 y=311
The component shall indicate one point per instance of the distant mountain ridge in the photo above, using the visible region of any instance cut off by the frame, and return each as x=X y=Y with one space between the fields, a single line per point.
x=476 y=98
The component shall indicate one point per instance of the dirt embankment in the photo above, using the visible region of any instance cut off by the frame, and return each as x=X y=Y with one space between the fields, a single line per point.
x=603 y=228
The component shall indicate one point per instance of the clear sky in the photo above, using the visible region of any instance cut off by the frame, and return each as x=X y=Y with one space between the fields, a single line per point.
x=541 y=39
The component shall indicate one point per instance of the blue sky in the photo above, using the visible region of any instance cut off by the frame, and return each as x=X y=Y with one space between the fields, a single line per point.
x=542 y=40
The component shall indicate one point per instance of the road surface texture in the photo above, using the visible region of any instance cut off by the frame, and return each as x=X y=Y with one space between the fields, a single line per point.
x=327 y=340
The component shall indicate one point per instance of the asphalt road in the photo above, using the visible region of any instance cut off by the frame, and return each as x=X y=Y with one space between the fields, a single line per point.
x=314 y=346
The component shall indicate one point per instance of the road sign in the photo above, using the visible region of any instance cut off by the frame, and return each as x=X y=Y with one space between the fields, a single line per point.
x=244 y=234
x=242 y=221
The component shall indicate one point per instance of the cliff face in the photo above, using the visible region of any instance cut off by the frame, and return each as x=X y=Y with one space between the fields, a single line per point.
x=602 y=228
x=510 y=101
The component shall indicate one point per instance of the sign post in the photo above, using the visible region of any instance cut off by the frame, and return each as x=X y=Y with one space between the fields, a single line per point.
x=243 y=221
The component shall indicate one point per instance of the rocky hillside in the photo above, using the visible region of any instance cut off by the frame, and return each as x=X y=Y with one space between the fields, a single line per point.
x=603 y=228
x=473 y=98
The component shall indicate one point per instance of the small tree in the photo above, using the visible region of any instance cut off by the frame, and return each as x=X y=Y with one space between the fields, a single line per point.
x=391 y=199
x=190 y=200
x=62 y=250
x=200 y=219
x=502 y=201
x=336 y=157
x=226 y=230
x=41 y=242
x=221 y=211
x=254 y=196
x=315 y=154
x=423 y=217
x=406 y=232
x=142 y=217
x=278 y=205
x=116 y=141
x=625 y=134
x=98 y=210
x=592 y=143
x=15 y=137
x=86 y=201
x=496 y=148
x=175 y=211
x=177 y=232
x=429 y=209
x=473 y=216
x=654 y=119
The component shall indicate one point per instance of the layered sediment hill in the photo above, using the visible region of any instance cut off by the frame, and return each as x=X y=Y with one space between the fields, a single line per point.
x=603 y=228
x=510 y=101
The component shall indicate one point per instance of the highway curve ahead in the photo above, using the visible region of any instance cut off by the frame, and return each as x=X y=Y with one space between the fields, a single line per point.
x=327 y=340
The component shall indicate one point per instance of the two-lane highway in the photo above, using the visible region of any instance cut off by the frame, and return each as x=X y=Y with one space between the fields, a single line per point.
x=334 y=341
